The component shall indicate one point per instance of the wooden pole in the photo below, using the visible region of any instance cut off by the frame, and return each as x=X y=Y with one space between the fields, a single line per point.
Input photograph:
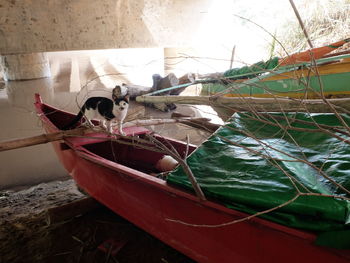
x=232 y=56
x=301 y=23
x=41 y=139
x=255 y=104
x=56 y=136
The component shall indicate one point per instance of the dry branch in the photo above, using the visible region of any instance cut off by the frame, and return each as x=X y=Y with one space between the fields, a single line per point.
x=301 y=23
x=182 y=161
x=197 y=122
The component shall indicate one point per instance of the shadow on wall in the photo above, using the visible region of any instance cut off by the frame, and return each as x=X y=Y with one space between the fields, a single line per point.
x=27 y=165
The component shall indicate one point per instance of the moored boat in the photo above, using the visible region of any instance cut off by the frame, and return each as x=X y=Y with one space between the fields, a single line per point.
x=299 y=82
x=118 y=173
x=328 y=77
x=311 y=74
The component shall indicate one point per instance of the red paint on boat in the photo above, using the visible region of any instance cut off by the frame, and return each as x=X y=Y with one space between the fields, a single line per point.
x=118 y=176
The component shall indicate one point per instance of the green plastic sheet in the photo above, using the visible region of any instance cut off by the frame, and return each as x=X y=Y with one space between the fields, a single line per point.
x=254 y=163
x=253 y=70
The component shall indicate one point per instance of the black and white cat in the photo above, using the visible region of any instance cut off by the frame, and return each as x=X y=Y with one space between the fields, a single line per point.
x=104 y=109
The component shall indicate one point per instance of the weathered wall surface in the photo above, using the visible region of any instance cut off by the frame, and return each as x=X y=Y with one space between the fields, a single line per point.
x=70 y=71
x=25 y=66
x=28 y=26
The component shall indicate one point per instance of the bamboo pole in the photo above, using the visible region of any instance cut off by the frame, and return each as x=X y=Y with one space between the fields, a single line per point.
x=41 y=139
x=56 y=136
x=256 y=104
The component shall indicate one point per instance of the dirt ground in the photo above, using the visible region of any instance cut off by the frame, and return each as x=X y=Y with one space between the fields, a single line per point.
x=97 y=235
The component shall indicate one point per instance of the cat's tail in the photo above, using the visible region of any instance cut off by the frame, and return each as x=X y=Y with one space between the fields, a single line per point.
x=76 y=119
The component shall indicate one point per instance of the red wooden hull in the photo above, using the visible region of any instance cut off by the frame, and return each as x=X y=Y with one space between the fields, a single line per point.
x=159 y=209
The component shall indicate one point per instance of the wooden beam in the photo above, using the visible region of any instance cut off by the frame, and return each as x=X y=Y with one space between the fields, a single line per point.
x=57 y=136
x=41 y=139
x=255 y=104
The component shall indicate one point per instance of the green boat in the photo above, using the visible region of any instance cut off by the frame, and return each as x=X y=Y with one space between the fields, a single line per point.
x=298 y=83
x=327 y=77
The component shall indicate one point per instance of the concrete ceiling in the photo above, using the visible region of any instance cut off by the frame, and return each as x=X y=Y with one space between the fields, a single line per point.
x=28 y=26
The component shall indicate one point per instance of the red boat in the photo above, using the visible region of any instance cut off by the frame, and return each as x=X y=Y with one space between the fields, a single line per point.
x=119 y=176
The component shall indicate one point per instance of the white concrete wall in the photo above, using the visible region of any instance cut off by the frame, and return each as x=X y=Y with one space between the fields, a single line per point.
x=52 y=25
x=17 y=117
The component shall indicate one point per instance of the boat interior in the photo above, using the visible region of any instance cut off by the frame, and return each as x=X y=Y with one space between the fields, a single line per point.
x=128 y=152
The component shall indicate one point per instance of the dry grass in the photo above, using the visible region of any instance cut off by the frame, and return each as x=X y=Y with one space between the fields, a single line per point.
x=326 y=21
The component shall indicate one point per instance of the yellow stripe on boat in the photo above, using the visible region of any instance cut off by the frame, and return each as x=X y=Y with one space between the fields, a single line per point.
x=334 y=68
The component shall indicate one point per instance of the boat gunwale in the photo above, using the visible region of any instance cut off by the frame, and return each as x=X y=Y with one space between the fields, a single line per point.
x=162 y=185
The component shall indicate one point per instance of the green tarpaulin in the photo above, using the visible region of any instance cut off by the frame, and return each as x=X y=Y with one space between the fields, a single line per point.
x=251 y=165
x=253 y=70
